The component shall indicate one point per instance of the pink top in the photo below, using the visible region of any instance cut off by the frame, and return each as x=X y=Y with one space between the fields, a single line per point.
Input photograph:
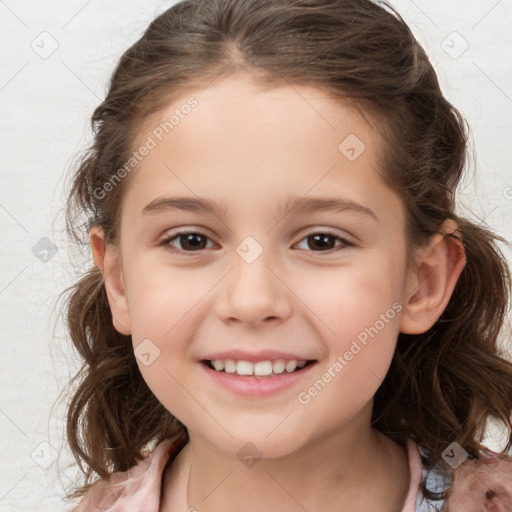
x=478 y=486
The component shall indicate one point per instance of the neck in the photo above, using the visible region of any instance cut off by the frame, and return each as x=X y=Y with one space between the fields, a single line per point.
x=357 y=467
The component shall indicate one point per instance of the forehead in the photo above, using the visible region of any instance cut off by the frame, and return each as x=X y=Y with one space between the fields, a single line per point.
x=235 y=138
x=266 y=118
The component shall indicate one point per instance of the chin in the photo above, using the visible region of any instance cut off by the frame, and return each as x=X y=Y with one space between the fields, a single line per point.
x=257 y=444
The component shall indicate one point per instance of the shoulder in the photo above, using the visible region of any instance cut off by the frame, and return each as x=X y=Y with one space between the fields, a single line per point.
x=483 y=485
x=135 y=490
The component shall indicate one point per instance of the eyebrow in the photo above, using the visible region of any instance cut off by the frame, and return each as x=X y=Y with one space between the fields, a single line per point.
x=297 y=204
x=294 y=205
x=190 y=204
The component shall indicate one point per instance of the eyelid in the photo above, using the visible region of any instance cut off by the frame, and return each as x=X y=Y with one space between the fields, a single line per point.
x=346 y=241
x=165 y=242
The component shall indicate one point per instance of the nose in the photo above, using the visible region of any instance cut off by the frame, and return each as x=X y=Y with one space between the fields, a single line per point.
x=253 y=293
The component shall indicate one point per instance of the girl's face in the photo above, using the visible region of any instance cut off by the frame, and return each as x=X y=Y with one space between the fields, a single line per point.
x=271 y=273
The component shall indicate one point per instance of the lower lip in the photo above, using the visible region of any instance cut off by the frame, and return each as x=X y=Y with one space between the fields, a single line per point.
x=250 y=386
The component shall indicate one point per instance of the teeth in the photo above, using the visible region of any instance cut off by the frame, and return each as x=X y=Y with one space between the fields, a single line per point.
x=279 y=366
x=290 y=366
x=218 y=365
x=259 y=369
x=263 y=368
x=229 y=366
x=244 y=368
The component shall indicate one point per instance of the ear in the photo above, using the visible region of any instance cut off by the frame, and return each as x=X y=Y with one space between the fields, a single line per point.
x=432 y=280
x=107 y=259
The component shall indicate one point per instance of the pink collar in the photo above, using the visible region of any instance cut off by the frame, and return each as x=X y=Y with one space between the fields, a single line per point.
x=415 y=471
x=478 y=485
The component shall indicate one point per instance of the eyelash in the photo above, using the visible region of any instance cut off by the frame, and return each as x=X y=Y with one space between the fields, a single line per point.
x=166 y=242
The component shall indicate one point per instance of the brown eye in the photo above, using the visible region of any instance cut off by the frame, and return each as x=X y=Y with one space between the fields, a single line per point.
x=325 y=241
x=321 y=241
x=189 y=242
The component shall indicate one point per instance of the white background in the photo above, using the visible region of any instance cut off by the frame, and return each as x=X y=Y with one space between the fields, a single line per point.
x=46 y=104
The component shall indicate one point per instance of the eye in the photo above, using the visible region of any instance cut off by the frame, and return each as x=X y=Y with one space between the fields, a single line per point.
x=191 y=241
x=325 y=241
x=194 y=241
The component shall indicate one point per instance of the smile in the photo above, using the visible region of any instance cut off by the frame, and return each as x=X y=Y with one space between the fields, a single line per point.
x=266 y=368
x=257 y=379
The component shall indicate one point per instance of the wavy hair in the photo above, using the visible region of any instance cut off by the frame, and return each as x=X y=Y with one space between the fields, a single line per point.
x=443 y=385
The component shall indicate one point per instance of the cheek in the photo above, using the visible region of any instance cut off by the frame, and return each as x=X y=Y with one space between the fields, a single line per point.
x=352 y=299
x=163 y=298
x=366 y=327
x=163 y=324
x=161 y=307
x=362 y=310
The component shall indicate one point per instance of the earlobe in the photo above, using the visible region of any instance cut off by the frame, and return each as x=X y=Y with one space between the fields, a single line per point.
x=107 y=259
x=432 y=280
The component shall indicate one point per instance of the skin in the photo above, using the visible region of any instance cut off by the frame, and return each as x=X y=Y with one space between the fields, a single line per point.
x=249 y=148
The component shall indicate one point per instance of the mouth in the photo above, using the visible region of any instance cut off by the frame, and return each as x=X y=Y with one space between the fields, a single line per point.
x=259 y=369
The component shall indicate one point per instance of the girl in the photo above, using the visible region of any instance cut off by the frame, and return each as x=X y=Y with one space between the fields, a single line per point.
x=285 y=311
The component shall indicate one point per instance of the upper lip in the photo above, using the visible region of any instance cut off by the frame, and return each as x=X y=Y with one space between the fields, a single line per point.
x=262 y=355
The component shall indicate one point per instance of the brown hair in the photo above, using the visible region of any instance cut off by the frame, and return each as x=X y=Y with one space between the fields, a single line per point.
x=442 y=385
